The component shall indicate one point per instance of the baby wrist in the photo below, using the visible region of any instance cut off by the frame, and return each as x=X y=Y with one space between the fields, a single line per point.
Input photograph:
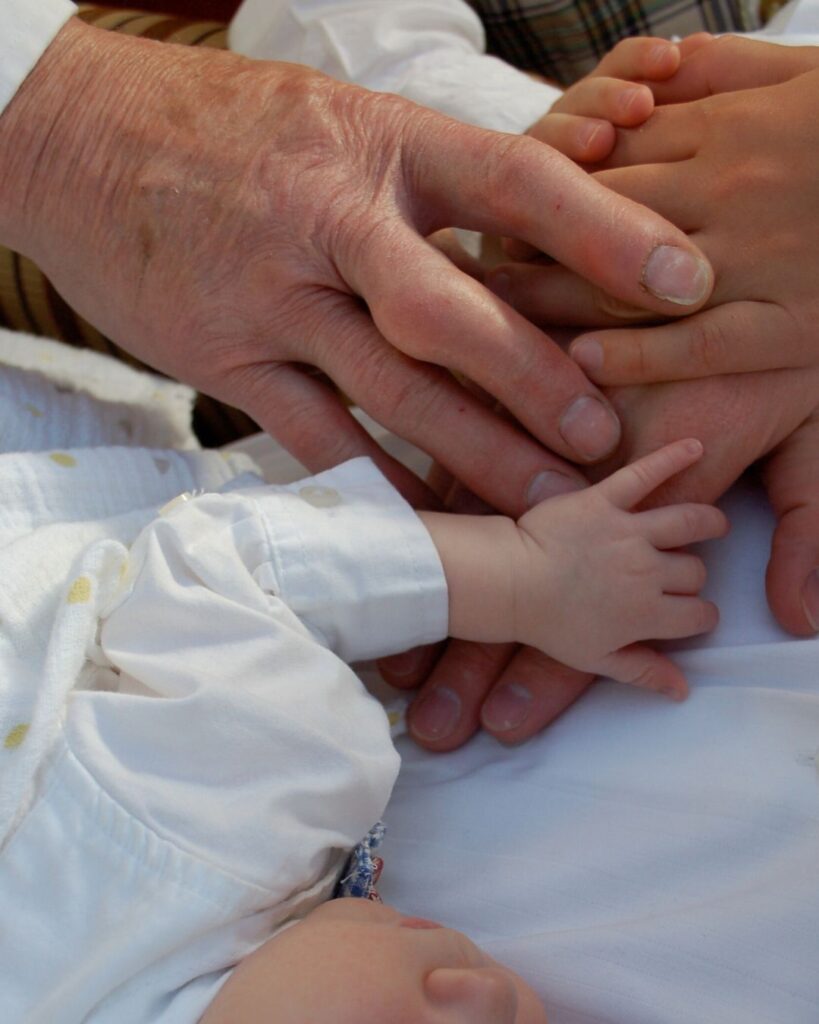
x=479 y=555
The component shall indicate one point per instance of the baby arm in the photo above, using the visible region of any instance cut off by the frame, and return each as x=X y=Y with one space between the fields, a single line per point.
x=582 y=578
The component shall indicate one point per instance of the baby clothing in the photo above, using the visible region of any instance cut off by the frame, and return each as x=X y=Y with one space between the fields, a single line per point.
x=186 y=759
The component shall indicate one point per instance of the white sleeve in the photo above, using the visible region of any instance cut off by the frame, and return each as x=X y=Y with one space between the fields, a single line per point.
x=27 y=27
x=429 y=51
x=235 y=731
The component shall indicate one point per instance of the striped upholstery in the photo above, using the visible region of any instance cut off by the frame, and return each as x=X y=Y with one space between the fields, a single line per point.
x=28 y=302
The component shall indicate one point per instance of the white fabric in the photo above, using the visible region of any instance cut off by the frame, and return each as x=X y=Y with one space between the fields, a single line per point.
x=185 y=760
x=639 y=862
x=429 y=51
x=642 y=862
x=27 y=27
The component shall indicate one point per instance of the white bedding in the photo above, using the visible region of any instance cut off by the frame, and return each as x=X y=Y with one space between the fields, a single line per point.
x=640 y=862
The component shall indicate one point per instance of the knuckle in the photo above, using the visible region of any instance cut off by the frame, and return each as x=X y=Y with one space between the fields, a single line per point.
x=709 y=345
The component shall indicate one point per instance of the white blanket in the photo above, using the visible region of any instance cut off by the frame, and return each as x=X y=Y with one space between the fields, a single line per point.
x=640 y=862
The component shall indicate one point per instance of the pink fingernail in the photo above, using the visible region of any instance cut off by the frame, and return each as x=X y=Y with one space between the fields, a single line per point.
x=549 y=484
x=507 y=708
x=588 y=354
x=590 y=427
x=436 y=715
x=676 y=275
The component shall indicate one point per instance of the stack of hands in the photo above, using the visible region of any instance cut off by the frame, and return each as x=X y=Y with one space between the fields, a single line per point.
x=718 y=136
x=241 y=224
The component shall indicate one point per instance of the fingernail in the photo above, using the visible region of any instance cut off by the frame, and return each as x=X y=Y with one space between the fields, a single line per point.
x=407 y=663
x=629 y=97
x=588 y=354
x=676 y=275
x=810 y=599
x=549 y=484
x=507 y=708
x=659 y=53
x=590 y=428
x=588 y=133
x=670 y=691
x=435 y=716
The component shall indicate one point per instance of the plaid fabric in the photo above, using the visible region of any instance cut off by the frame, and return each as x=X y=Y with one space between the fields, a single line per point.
x=564 y=39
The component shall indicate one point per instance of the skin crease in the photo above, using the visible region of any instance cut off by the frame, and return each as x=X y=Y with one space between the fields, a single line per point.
x=739 y=418
x=353 y=960
x=265 y=218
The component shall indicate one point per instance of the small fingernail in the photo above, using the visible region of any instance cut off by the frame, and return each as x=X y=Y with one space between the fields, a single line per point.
x=435 y=716
x=405 y=664
x=588 y=354
x=588 y=133
x=549 y=484
x=659 y=53
x=672 y=692
x=810 y=599
x=501 y=285
x=507 y=708
x=629 y=97
x=590 y=428
x=676 y=275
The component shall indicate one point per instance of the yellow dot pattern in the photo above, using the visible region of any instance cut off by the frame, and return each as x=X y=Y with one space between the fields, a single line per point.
x=80 y=590
x=63 y=459
x=32 y=408
x=394 y=717
x=15 y=736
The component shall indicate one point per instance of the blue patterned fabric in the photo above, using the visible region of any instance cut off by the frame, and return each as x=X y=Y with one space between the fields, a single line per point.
x=362 y=870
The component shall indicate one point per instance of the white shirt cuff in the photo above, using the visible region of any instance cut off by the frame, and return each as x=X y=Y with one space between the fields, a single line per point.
x=352 y=559
x=27 y=28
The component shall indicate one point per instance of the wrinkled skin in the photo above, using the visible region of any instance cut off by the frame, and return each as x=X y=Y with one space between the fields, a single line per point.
x=232 y=222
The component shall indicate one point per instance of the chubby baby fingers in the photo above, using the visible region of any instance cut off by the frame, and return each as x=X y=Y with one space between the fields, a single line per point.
x=642 y=666
x=675 y=526
x=683 y=574
x=677 y=617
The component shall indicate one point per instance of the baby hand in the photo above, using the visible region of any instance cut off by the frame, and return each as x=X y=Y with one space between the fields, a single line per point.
x=594 y=578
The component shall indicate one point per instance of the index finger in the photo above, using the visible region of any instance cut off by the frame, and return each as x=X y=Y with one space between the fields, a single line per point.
x=631 y=484
x=515 y=186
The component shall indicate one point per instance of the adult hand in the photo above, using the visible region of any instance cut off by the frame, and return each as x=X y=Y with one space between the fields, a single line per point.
x=514 y=693
x=224 y=218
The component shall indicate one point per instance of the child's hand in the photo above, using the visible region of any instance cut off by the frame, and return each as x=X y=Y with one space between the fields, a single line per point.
x=593 y=578
x=581 y=123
